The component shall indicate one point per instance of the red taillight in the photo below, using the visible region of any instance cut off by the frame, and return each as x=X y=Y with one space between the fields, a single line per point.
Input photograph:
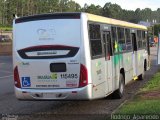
x=83 y=76
x=16 y=78
x=108 y=57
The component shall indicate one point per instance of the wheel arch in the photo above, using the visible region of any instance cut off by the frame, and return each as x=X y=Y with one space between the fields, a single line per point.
x=122 y=71
x=145 y=64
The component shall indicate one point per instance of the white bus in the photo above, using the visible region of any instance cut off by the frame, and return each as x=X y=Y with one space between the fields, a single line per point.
x=76 y=56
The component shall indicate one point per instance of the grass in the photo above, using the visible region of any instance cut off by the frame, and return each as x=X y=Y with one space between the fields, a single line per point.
x=6 y=28
x=147 y=100
x=140 y=106
x=153 y=84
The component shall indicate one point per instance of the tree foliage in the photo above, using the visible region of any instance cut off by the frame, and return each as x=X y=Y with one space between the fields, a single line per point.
x=31 y=7
x=156 y=29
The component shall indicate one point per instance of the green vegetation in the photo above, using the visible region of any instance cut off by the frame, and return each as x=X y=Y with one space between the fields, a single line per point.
x=31 y=7
x=140 y=107
x=156 y=29
x=6 y=28
x=153 y=84
x=146 y=101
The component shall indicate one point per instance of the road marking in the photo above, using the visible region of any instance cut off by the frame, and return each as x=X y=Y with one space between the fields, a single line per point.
x=6 y=76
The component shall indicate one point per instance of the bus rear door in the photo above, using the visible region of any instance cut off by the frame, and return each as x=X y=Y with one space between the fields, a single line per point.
x=134 y=56
x=108 y=62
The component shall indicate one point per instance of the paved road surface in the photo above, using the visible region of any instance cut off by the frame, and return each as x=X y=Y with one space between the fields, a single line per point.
x=92 y=109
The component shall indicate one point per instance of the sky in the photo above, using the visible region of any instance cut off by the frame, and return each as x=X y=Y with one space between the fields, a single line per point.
x=125 y=4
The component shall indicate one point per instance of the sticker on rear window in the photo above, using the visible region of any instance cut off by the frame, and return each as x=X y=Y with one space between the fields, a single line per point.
x=26 y=82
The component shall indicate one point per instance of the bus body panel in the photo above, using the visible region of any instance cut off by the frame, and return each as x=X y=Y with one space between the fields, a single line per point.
x=140 y=57
x=109 y=75
x=128 y=66
x=57 y=94
x=41 y=77
x=85 y=45
x=116 y=71
x=98 y=77
x=140 y=62
x=108 y=58
x=74 y=32
x=62 y=34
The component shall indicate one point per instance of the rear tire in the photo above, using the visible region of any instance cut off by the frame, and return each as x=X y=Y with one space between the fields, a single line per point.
x=145 y=65
x=120 y=92
x=141 y=76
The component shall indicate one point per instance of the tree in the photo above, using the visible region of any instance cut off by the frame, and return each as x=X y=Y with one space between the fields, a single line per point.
x=32 y=7
x=156 y=29
x=106 y=10
x=73 y=6
x=112 y=10
x=93 y=9
x=1 y=12
x=63 y=5
x=146 y=14
x=138 y=15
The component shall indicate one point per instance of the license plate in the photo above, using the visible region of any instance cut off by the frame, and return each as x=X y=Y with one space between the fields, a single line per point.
x=49 y=95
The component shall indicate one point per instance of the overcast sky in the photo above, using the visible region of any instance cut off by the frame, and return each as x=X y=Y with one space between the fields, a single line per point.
x=125 y=4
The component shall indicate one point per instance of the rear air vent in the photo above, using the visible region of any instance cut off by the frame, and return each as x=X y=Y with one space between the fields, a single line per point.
x=48 y=51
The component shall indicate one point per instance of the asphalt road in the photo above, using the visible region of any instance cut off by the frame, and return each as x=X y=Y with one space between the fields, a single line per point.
x=95 y=109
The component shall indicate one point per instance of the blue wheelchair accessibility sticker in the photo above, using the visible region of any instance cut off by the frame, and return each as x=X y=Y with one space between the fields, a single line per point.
x=26 y=82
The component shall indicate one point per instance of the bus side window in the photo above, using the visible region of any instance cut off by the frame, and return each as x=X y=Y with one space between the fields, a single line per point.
x=114 y=39
x=121 y=39
x=128 y=39
x=144 y=39
x=139 y=38
x=109 y=44
x=95 y=40
x=134 y=42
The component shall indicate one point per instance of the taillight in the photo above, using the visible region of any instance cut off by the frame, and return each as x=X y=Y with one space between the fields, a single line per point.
x=16 y=78
x=83 y=76
x=108 y=57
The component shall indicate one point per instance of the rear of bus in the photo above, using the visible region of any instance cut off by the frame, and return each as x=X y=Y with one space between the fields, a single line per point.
x=48 y=58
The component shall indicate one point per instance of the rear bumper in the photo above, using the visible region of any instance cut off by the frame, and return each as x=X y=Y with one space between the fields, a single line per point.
x=84 y=93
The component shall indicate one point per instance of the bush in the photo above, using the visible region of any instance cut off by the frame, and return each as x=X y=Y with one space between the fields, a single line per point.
x=3 y=28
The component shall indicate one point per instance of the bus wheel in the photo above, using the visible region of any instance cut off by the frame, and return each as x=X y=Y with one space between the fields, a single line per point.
x=119 y=93
x=141 y=76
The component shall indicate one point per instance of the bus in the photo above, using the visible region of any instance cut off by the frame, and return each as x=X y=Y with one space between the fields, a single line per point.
x=76 y=56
